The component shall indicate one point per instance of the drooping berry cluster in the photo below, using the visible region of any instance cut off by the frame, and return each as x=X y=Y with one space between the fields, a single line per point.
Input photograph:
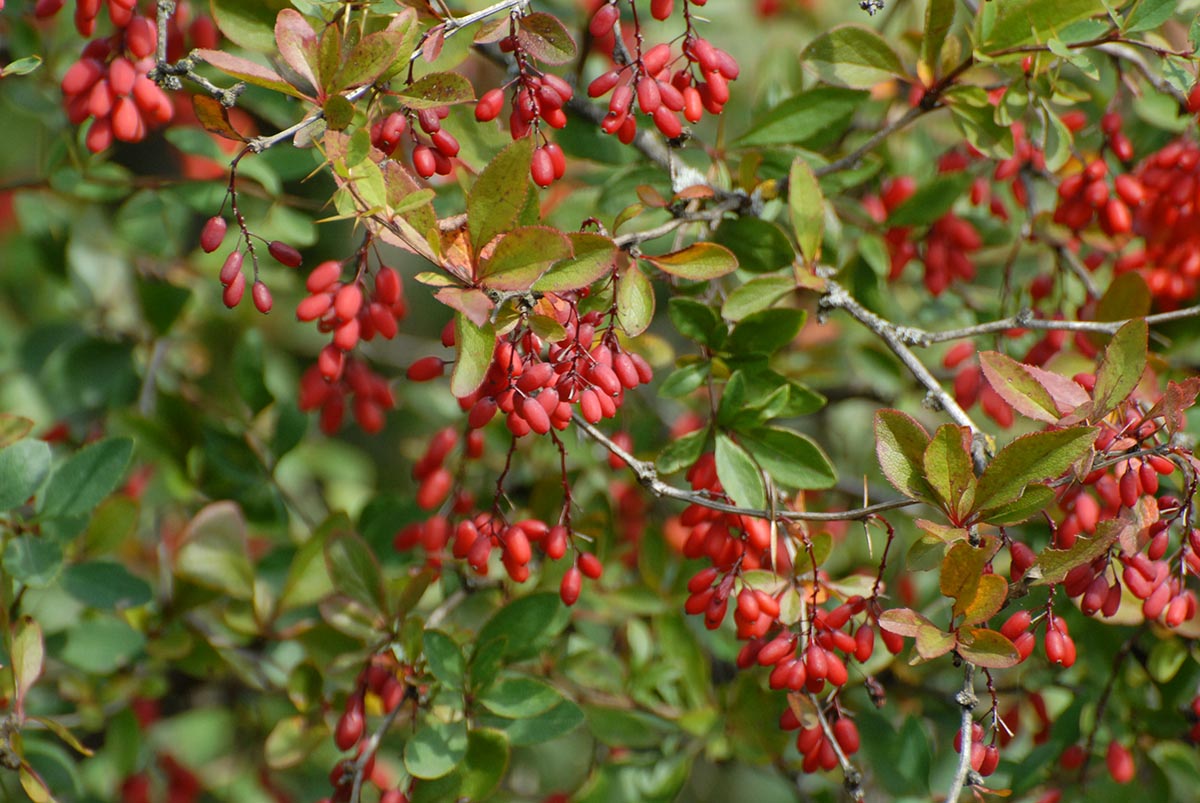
x=537 y=97
x=662 y=92
x=948 y=242
x=433 y=153
x=352 y=311
x=387 y=684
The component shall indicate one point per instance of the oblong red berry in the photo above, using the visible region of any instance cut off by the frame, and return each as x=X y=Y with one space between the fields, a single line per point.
x=261 y=295
x=213 y=234
x=284 y=254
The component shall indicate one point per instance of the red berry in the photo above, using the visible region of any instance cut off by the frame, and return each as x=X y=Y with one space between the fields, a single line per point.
x=572 y=583
x=488 y=107
x=542 y=168
x=426 y=368
x=261 y=296
x=1120 y=763
x=212 y=234
x=349 y=728
x=590 y=565
x=284 y=254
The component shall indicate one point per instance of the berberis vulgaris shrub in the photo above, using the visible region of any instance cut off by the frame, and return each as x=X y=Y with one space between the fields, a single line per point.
x=648 y=400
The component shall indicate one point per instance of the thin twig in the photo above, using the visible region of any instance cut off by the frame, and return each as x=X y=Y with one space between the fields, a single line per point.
x=853 y=776
x=966 y=700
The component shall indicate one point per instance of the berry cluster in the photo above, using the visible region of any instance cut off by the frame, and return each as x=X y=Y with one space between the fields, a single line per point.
x=814 y=745
x=537 y=97
x=1088 y=196
x=948 y=242
x=352 y=312
x=233 y=280
x=431 y=154
x=984 y=758
x=1168 y=221
x=387 y=683
x=700 y=84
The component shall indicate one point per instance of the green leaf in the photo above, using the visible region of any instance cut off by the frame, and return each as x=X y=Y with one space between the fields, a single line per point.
x=33 y=560
x=933 y=642
x=694 y=319
x=526 y=626
x=308 y=578
x=213 y=551
x=445 y=658
x=249 y=371
x=948 y=468
x=1034 y=500
x=931 y=201
x=765 y=332
x=60 y=730
x=961 y=571
x=101 y=645
x=900 y=444
x=485 y=764
x=558 y=721
x=1019 y=22
x=739 y=475
x=1032 y=458
x=755 y=296
x=987 y=601
x=699 y=262
x=806 y=208
x=987 y=648
x=522 y=256
x=759 y=245
x=23 y=468
x=437 y=89
x=635 y=300
x=519 y=697
x=939 y=16
x=792 y=459
x=684 y=380
x=975 y=117
x=354 y=570
x=87 y=476
x=28 y=656
x=546 y=38
x=23 y=66
x=499 y=194
x=105 y=585
x=1019 y=386
x=852 y=56
x=162 y=302
x=681 y=453
x=291 y=741
x=594 y=256
x=810 y=119
x=248 y=23
x=435 y=749
x=1121 y=368
x=371 y=58
x=473 y=347
x=246 y=70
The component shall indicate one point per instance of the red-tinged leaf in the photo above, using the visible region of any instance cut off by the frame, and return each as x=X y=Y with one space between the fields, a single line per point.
x=298 y=44
x=650 y=197
x=437 y=89
x=1052 y=565
x=933 y=642
x=1121 y=368
x=698 y=262
x=635 y=300
x=214 y=117
x=431 y=48
x=248 y=71
x=496 y=199
x=1177 y=399
x=1017 y=386
x=546 y=38
x=594 y=256
x=214 y=551
x=28 y=658
x=471 y=302
x=988 y=600
x=1032 y=458
x=695 y=191
x=900 y=444
x=60 y=730
x=370 y=58
x=474 y=345
x=987 y=648
x=903 y=621
x=33 y=784
x=948 y=468
x=402 y=185
x=522 y=256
